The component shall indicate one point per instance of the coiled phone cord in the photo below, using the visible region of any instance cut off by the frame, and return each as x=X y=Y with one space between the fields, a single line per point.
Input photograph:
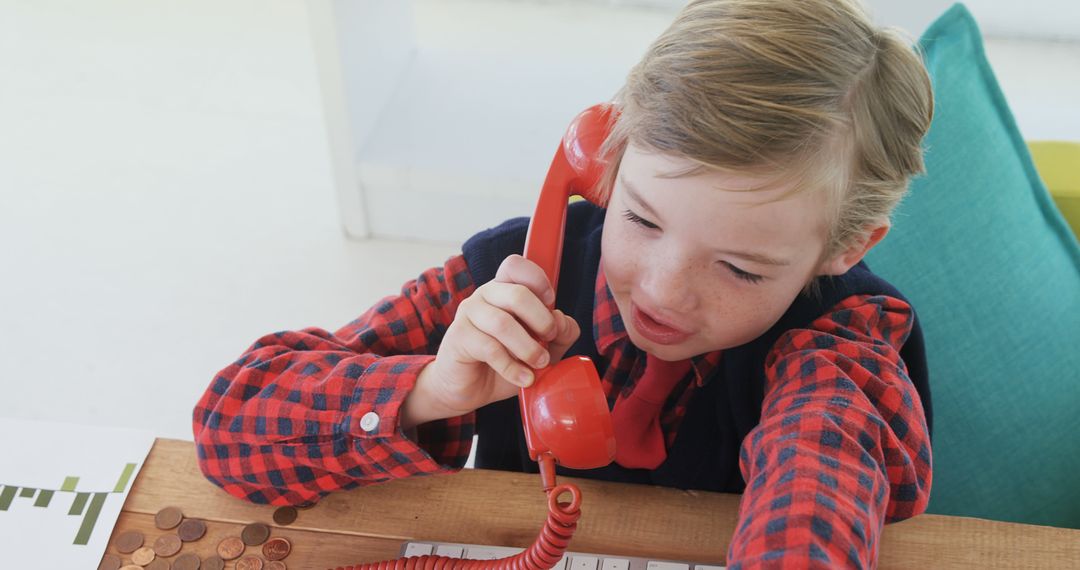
x=545 y=552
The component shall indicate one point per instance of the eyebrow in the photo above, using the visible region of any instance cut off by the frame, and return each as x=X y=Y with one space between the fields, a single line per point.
x=637 y=197
x=747 y=255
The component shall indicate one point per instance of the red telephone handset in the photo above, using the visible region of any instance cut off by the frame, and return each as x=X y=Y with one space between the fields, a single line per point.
x=564 y=412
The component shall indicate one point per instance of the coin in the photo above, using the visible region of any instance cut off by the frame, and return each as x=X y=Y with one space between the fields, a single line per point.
x=129 y=541
x=215 y=562
x=167 y=545
x=285 y=516
x=131 y=567
x=168 y=518
x=143 y=556
x=249 y=563
x=158 y=564
x=109 y=562
x=189 y=561
x=275 y=565
x=230 y=548
x=277 y=548
x=255 y=534
x=191 y=529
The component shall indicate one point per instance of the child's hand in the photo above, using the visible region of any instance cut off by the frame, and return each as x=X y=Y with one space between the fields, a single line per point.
x=488 y=351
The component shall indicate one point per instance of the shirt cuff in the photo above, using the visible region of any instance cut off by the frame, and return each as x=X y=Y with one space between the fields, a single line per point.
x=374 y=422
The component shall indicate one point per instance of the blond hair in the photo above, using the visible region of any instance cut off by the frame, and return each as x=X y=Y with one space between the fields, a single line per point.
x=761 y=85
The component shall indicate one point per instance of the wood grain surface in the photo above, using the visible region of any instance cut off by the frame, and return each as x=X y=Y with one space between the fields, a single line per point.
x=499 y=508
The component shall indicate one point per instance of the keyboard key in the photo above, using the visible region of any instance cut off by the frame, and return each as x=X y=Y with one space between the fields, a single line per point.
x=583 y=563
x=417 y=549
x=490 y=552
x=615 y=564
x=654 y=565
x=450 y=551
x=707 y=567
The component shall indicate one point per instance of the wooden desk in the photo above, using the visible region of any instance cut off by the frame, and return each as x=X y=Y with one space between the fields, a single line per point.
x=492 y=507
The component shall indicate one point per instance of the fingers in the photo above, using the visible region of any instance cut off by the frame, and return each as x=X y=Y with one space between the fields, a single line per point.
x=517 y=269
x=522 y=304
x=509 y=323
x=569 y=331
x=482 y=347
x=501 y=325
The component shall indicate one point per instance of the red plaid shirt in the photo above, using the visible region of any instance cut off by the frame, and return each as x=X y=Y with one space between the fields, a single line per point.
x=842 y=446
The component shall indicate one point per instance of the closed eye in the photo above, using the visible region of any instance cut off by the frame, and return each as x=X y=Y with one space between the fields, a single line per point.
x=639 y=220
x=748 y=277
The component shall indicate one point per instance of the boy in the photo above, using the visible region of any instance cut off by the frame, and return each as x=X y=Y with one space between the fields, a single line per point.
x=760 y=148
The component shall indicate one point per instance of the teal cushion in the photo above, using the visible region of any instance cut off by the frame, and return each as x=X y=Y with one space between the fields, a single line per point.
x=994 y=274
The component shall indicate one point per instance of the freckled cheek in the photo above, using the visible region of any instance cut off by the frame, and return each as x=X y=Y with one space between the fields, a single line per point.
x=622 y=254
x=735 y=315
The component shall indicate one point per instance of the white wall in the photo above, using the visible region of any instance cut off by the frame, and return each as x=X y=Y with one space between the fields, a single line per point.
x=165 y=199
x=1032 y=19
x=1045 y=19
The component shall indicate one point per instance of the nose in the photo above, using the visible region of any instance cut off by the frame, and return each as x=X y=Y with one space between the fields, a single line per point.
x=667 y=285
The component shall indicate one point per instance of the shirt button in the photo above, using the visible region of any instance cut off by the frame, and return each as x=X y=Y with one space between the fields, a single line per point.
x=369 y=422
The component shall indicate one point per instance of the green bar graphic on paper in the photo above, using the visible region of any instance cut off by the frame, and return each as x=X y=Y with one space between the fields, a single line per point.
x=6 y=495
x=78 y=504
x=124 y=477
x=85 y=504
x=83 y=537
x=43 y=498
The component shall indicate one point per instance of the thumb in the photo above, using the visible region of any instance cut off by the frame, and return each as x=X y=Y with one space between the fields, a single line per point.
x=566 y=337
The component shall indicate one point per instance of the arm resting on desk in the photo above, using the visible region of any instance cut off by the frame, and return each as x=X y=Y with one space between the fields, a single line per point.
x=304 y=413
x=842 y=446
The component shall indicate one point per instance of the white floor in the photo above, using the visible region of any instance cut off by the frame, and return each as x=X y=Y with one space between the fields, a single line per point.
x=165 y=199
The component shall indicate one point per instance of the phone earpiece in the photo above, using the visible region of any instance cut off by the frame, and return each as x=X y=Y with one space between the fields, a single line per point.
x=581 y=147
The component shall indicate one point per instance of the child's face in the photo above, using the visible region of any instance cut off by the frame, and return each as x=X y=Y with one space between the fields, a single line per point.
x=671 y=250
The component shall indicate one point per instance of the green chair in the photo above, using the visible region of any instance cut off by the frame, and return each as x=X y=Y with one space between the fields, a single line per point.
x=993 y=271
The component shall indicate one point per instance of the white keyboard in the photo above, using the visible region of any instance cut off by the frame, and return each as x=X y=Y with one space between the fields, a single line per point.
x=570 y=561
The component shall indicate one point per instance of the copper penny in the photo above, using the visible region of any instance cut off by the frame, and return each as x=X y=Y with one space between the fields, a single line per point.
x=275 y=565
x=191 y=530
x=255 y=534
x=189 y=561
x=215 y=562
x=277 y=548
x=129 y=541
x=167 y=545
x=285 y=516
x=249 y=563
x=230 y=548
x=110 y=562
x=143 y=556
x=158 y=564
x=131 y=567
x=168 y=518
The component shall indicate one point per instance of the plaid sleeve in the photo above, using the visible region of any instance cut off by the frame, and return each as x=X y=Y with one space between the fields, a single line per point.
x=303 y=413
x=842 y=446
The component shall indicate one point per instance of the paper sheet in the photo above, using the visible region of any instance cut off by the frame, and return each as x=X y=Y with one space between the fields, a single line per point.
x=61 y=490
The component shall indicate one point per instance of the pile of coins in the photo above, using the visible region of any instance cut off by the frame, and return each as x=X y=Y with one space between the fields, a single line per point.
x=132 y=543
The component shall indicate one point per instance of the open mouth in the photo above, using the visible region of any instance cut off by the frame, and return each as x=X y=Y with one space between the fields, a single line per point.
x=655 y=330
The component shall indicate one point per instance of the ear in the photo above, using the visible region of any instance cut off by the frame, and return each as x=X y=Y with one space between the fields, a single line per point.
x=840 y=263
